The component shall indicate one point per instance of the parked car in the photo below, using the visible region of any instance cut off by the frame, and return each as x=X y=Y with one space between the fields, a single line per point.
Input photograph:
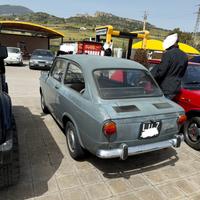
x=14 y=56
x=109 y=106
x=189 y=99
x=195 y=59
x=9 y=155
x=41 y=59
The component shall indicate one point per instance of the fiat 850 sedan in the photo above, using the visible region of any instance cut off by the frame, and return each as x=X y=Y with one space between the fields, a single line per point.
x=108 y=106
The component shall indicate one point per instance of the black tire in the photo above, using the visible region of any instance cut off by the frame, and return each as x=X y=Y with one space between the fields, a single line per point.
x=192 y=132
x=73 y=144
x=10 y=173
x=43 y=104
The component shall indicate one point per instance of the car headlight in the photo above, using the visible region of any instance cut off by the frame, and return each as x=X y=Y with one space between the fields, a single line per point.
x=49 y=62
x=32 y=62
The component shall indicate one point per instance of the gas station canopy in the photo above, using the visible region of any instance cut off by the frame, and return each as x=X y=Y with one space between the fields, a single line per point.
x=29 y=29
x=157 y=45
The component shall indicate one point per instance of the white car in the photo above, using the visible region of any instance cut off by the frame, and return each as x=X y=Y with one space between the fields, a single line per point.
x=14 y=56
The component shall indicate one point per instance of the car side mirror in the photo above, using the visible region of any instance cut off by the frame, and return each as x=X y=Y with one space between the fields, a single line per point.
x=3 y=52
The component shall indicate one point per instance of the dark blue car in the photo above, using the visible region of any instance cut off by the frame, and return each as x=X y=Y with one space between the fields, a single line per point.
x=9 y=156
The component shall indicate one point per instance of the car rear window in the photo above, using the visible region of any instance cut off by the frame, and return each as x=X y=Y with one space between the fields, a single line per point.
x=42 y=53
x=191 y=78
x=13 y=50
x=125 y=83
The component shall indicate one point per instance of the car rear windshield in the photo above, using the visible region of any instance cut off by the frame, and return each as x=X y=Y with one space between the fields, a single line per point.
x=42 y=53
x=125 y=83
x=13 y=50
x=191 y=79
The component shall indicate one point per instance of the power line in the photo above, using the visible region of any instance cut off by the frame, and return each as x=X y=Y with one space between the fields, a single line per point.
x=145 y=19
x=196 y=27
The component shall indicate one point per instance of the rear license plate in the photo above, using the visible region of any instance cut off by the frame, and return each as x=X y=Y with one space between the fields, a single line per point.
x=150 y=129
x=41 y=64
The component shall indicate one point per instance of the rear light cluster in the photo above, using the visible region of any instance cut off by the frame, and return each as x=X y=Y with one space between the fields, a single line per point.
x=182 y=119
x=109 y=128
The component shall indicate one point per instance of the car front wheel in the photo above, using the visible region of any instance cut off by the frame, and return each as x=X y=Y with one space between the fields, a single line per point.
x=192 y=132
x=73 y=144
x=43 y=105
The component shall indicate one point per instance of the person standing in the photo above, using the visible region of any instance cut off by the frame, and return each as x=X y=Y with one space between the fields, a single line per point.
x=3 y=55
x=170 y=71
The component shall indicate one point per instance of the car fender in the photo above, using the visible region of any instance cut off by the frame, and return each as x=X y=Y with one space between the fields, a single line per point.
x=67 y=117
x=193 y=112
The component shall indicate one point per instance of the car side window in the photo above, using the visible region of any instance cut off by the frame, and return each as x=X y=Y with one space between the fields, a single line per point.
x=74 y=78
x=59 y=69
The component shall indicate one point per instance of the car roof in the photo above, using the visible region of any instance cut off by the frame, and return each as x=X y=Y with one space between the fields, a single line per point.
x=92 y=62
x=42 y=50
x=13 y=47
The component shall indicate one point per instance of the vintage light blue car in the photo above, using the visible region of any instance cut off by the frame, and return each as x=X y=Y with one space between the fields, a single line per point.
x=109 y=106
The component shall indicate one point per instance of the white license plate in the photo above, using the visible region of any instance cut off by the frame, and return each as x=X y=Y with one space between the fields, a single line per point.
x=41 y=65
x=150 y=129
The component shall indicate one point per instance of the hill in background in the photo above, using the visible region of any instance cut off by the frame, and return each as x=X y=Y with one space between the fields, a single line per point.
x=8 y=10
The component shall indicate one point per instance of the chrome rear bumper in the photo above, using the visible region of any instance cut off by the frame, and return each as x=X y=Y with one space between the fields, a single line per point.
x=124 y=151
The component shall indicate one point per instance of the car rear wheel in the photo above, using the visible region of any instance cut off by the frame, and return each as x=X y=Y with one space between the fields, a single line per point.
x=192 y=132
x=43 y=104
x=73 y=144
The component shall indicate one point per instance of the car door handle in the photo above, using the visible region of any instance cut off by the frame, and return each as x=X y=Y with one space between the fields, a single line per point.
x=57 y=86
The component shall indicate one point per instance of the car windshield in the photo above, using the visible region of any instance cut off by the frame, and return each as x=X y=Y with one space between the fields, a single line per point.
x=191 y=79
x=42 y=53
x=13 y=50
x=125 y=83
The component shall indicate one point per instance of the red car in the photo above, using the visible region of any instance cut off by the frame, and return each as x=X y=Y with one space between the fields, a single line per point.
x=189 y=99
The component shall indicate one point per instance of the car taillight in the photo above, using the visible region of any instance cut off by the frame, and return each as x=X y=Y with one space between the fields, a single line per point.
x=109 y=128
x=181 y=119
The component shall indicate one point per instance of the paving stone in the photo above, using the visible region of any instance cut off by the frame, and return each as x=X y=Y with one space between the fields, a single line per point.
x=45 y=187
x=195 y=197
x=137 y=181
x=130 y=196
x=155 y=177
x=118 y=186
x=98 y=191
x=55 y=196
x=74 y=194
x=150 y=193
x=68 y=181
x=186 y=186
x=89 y=176
x=20 y=191
x=171 y=191
x=42 y=172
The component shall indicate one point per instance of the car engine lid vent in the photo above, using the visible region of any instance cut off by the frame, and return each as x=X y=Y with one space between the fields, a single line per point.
x=130 y=108
x=162 y=105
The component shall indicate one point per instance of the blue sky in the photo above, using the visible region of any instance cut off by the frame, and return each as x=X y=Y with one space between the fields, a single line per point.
x=168 y=14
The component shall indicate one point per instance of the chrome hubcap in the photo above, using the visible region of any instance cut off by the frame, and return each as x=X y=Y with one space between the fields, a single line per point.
x=42 y=102
x=71 y=140
x=193 y=132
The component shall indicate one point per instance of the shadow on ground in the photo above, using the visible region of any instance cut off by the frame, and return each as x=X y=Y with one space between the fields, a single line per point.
x=115 y=168
x=40 y=157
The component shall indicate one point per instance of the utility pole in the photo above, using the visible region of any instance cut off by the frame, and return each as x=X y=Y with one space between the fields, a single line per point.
x=196 y=28
x=145 y=20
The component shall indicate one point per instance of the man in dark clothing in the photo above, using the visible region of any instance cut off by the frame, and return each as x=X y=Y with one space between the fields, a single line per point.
x=3 y=55
x=170 y=71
